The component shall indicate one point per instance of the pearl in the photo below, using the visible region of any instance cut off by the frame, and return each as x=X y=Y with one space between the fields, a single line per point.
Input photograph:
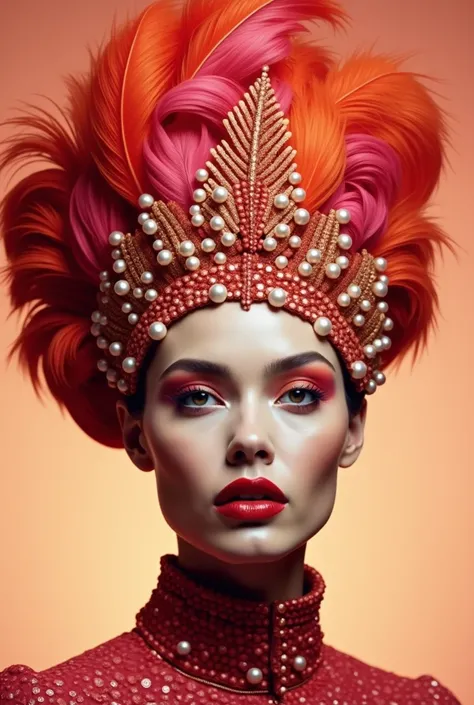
x=282 y=230
x=277 y=297
x=111 y=375
x=208 y=245
x=151 y=295
x=370 y=351
x=197 y=220
x=343 y=216
x=359 y=320
x=115 y=238
x=298 y=195
x=138 y=292
x=254 y=676
x=129 y=365
x=379 y=378
x=194 y=210
x=193 y=263
x=281 y=262
x=382 y=306
x=313 y=256
x=164 y=257
x=228 y=239
x=122 y=287
x=344 y=300
x=217 y=223
x=322 y=326
x=220 y=194
x=122 y=386
x=95 y=330
x=281 y=201
x=333 y=270
x=383 y=278
x=183 y=648
x=199 y=195
x=143 y=217
x=388 y=324
x=344 y=241
x=342 y=261
x=146 y=201
x=378 y=345
x=158 y=245
x=157 y=331
x=115 y=349
x=354 y=291
x=305 y=269
x=218 y=293
x=294 y=241
x=202 y=175
x=386 y=342
x=380 y=289
x=299 y=663
x=269 y=244
x=186 y=248
x=301 y=216
x=103 y=276
x=371 y=386
x=365 y=305
x=359 y=369
x=102 y=343
x=380 y=264
x=102 y=365
x=133 y=319
x=95 y=317
x=150 y=226
x=127 y=308
x=295 y=178
x=103 y=320
x=116 y=254
x=220 y=258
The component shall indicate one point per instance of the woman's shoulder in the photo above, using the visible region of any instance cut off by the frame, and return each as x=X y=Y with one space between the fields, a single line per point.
x=383 y=686
x=78 y=680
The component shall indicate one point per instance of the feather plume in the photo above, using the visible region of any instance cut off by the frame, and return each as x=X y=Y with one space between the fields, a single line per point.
x=130 y=76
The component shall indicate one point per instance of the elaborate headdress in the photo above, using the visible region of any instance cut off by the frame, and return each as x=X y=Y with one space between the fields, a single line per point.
x=176 y=183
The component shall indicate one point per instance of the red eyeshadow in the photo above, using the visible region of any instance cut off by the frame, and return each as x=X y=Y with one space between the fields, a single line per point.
x=320 y=376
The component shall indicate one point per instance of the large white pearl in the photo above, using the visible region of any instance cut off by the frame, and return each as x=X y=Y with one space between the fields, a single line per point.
x=343 y=216
x=281 y=262
x=217 y=223
x=183 y=648
x=102 y=365
x=370 y=351
x=301 y=216
x=365 y=305
x=218 y=293
x=342 y=261
x=269 y=244
x=143 y=217
x=199 y=195
x=380 y=289
x=158 y=245
x=380 y=264
x=344 y=300
x=295 y=178
x=305 y=269
x=151 y=295
x=382 y=306
x=146 y=200
x=208 y=245
x=220 y=258
x=164 y=257
x=186 y=248
x=220 y=194
x=388 y=324
x=150 y=226
x=193 y=263
x=147 y=277
x=322 y=326
x=122 y=287
x=371 y=386
x=194 y=209
x=115 y=238
x=228 y=239
x=202 y=175
x=254 y=676
x=157 y=331
x=333 y=270
x=115 y=349
x=299 y=663
x=277 y=297
x=344 y=241
x=133 y=319
x=298 y=195
x=313 y=256
x=282 y=230
x=359 y=320
x=129 y=365
x=197 y=220
x=127 y=308
x=379 y=378
x=281 y=201
x=359 y=369
x=386 y=342
x=354 y=291
x=294 y=241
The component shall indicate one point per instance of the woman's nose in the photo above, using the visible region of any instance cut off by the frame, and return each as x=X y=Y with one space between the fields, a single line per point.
x=250 y=442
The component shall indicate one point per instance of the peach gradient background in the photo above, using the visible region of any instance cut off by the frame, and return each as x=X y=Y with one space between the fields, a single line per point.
x=80 y=530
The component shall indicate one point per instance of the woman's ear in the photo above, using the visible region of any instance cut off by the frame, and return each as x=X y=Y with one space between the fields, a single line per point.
x=134 y=440
x=355 y=438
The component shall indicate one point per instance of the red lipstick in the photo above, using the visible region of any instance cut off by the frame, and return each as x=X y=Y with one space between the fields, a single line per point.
x=250 y=500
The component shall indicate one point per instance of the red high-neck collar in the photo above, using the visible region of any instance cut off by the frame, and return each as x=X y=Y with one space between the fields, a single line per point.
x=236 y=643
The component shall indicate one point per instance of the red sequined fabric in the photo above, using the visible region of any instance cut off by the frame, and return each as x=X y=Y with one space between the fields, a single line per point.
x=194 y=646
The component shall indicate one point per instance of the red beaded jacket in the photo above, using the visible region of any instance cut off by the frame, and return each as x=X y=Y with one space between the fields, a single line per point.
x=194 y=646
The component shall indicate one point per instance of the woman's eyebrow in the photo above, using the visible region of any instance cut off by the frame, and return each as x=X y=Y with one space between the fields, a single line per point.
x=287 y=364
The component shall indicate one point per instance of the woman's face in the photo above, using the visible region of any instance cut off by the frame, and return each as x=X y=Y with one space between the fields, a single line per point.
x=246 y=394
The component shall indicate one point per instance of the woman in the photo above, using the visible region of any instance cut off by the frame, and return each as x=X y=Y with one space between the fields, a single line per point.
x=229 y=340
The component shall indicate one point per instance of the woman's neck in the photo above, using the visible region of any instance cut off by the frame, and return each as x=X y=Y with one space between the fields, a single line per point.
x=281 y=579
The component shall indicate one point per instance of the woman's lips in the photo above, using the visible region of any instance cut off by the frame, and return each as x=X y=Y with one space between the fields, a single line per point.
x=250 y=509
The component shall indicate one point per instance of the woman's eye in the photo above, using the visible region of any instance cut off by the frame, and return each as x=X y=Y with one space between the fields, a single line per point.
x=198 y=399
x=299 y=396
